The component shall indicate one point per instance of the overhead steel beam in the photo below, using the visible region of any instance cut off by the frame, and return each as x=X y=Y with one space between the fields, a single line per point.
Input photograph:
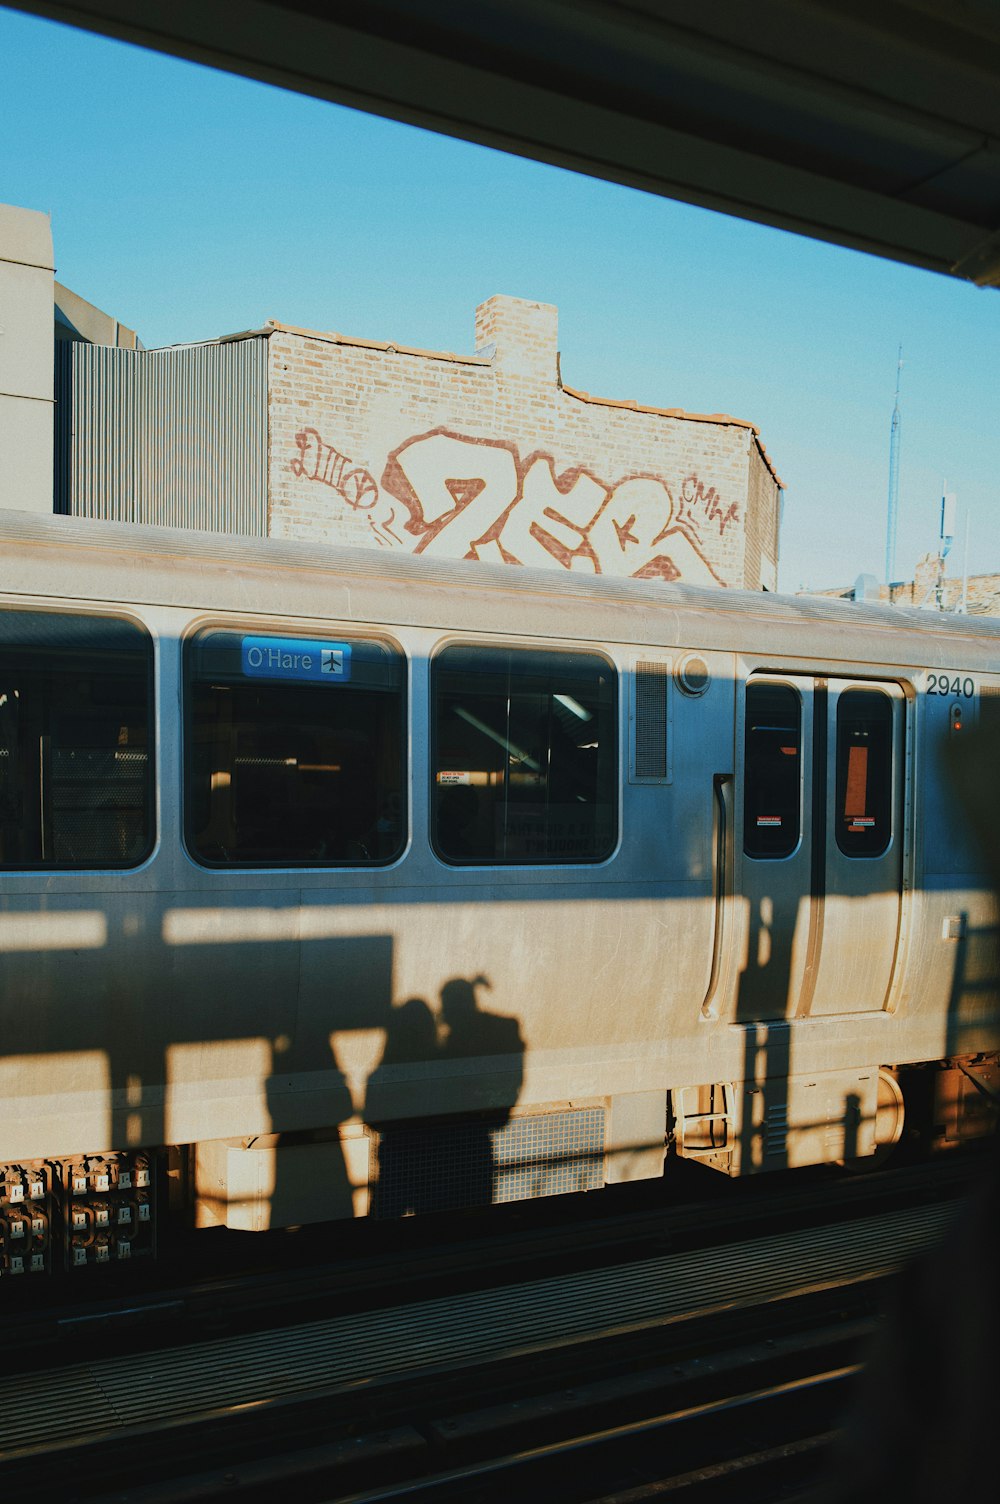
x=869 y=123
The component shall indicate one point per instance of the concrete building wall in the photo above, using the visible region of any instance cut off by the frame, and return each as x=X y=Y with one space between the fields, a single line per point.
x=77 y=321
x=490 y=456
x=26 y=284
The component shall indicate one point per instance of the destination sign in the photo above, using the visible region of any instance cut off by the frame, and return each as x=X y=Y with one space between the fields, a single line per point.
x=295 y=658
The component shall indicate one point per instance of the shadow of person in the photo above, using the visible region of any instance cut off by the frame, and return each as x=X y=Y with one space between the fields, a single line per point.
x=401 y=1187
x=306 y=1086
x=448 y=1162
x=469 y=1031
x=411 y=1034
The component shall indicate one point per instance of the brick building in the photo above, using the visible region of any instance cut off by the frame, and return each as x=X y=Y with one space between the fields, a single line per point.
x=491 y=456
x=291 y=433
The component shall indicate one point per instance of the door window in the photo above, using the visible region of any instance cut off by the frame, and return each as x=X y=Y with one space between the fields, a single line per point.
x=771 y=817
x=864 y=772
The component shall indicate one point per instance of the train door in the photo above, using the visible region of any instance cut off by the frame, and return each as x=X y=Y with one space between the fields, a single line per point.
x=821 y=866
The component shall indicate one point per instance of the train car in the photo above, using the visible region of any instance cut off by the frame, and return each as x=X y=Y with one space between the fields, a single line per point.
x=340 y=884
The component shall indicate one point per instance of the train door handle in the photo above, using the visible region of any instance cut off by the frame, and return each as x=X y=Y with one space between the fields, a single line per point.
x=722 y=785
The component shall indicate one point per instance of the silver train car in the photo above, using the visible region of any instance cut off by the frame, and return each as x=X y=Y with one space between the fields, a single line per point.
x=336 y=884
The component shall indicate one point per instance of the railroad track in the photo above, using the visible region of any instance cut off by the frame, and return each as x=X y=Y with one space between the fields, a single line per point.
x=752 y=1425
x=298 y=1278
x=760 y=1443
x=449 y=1395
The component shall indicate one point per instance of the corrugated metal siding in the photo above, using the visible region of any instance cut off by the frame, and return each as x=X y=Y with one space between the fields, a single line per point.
x=176 y=438
x=62 y=387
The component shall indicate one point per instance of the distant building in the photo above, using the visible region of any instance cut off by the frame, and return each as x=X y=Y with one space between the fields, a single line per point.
x=37 y=317
x=292 y=433
x=26 y=403
x=981 y=591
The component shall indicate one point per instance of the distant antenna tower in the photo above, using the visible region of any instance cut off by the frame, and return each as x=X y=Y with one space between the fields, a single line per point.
x=890 y=530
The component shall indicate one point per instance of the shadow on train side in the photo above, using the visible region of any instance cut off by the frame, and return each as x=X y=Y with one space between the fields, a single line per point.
x=155 y=1016
x=192 y=1048
x=310 y=1039
x=314 y=1036
x=765 y=987
x=766 y=991
x=437 y=1165
x=307 y=1085
x=944 y=1105
x=974 y=980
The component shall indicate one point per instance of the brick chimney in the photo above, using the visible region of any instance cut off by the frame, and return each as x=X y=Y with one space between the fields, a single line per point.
x=521 y=337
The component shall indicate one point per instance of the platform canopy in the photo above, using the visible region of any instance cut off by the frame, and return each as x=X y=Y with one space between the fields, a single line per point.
x=870 y=123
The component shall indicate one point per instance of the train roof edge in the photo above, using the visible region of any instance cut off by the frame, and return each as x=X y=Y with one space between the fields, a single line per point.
x=204 y=548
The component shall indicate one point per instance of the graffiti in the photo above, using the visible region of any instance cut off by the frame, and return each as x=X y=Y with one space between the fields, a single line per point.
x=693 y=493
x=319 y=461
x=383 y=528
x=476 y=498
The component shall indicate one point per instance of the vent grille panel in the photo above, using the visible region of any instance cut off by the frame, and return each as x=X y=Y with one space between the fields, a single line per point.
x=479 y=1162
x=652 y=683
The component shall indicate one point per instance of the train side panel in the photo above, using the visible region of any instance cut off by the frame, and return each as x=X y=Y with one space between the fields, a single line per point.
x=687 y=879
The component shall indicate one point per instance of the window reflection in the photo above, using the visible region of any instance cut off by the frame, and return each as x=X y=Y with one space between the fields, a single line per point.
x=294 y=773
x=526 y=756
x=75 y=775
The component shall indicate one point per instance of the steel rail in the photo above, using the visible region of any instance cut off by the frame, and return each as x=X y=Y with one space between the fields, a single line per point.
x=432 y=1486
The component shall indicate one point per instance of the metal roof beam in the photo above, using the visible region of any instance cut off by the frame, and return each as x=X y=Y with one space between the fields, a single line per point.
x=874 y=124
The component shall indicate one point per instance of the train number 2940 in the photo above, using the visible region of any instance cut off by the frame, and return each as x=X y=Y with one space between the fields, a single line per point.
x=942 y=684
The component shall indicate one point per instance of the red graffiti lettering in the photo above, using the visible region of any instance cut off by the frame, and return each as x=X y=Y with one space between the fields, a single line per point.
x=322 y=462
x=475 y=498
x=694 y=493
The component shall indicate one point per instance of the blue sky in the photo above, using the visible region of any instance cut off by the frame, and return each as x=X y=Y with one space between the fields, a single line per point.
x=190 y=204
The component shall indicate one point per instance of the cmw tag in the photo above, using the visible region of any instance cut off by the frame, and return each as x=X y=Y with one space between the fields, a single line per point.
x=296 y=658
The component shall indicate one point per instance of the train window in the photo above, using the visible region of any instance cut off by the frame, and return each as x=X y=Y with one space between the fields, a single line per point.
x=525 y=756
x=294 y=751
x=75 y=732
x=864 y=772
x=773 y=759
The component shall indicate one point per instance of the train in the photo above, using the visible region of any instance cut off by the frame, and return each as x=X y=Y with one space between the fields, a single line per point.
x=339 y=884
